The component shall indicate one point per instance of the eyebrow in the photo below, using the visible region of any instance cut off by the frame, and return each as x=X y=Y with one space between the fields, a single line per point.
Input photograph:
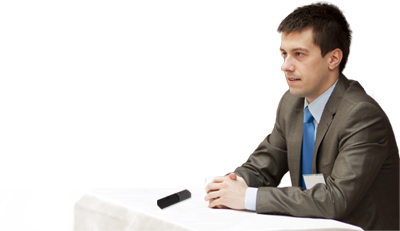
x=295 y=49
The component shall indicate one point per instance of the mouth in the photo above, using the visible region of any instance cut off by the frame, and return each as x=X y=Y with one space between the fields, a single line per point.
x=293 y=79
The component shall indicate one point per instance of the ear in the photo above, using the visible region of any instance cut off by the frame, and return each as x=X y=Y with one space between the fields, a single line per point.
x=334 y=59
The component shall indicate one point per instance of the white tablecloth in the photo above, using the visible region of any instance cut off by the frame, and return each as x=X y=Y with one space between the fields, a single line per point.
x=136 y=209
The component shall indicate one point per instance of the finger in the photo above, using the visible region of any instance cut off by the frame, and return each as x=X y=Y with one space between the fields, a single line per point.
x=207 y=198
x=218 y=206
x=209 y=187
x=215 y=203
x=212 y=187
x=233 y=176
x=222 y=207
x=211 y=191
x=218 y=179
x=212 y=195
x=210 y=201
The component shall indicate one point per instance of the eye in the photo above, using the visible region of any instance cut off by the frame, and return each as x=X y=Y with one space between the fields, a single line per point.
x=299 y=54
x=283 y=54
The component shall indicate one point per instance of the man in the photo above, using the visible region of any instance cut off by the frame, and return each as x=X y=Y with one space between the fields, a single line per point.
x=325 y=124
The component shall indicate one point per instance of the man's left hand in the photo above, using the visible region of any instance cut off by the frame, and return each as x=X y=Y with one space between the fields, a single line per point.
x=228 y=191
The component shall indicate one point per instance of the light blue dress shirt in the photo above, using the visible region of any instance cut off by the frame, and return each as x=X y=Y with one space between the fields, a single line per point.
x=316 y=108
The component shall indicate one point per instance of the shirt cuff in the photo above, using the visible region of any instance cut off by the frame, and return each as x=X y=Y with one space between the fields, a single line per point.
x=250 y=200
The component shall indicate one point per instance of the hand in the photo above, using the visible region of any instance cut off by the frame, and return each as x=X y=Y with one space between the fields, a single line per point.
x=217 y=180
x=227 y=192
x=217 y=206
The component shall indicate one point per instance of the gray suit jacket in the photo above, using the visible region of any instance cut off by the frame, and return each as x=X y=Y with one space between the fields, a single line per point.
x=355 y=149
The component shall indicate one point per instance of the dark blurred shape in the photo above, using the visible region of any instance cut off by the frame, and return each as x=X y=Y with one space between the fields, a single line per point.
x=11 y=66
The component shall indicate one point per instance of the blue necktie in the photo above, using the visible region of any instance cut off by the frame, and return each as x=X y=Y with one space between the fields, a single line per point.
x=308 y=144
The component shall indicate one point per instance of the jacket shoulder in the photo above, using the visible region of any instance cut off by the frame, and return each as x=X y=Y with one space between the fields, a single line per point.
x=355 y=95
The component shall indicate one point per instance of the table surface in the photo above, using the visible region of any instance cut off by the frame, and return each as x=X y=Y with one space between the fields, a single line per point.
x=136 y=209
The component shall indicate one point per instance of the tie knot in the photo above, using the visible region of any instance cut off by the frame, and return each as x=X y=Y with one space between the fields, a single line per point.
x=308 y=118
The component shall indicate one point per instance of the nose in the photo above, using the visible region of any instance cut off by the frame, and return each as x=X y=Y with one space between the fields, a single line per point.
x=288 y=64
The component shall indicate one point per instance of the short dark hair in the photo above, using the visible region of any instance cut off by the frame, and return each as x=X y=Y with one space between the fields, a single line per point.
x=330 y=28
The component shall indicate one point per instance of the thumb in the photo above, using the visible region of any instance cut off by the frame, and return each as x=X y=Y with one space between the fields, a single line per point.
x=233 y=176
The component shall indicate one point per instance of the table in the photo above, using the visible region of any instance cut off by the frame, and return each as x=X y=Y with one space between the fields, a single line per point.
x=136 y=209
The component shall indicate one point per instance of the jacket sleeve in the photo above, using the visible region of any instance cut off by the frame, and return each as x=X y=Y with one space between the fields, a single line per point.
x=363 y=147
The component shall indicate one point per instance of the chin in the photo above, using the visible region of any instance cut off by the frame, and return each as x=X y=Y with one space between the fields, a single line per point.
x=296 y=93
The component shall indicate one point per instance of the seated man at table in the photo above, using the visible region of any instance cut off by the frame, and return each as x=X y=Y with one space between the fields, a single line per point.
x=325 y=124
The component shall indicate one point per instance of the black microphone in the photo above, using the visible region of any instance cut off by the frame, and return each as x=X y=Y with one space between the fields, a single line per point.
x=173 y=199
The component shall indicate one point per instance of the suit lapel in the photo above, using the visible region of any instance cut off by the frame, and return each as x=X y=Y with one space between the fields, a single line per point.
x=328 y=115
x=323 y=127
x=295 y=142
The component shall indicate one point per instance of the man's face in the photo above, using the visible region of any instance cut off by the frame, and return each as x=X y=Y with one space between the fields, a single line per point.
x=305 y=69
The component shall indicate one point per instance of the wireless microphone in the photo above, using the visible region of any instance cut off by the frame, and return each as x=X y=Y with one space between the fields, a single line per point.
x=173 y=199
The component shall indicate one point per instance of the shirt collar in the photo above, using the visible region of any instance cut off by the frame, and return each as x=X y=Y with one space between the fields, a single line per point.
x=317 y=106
